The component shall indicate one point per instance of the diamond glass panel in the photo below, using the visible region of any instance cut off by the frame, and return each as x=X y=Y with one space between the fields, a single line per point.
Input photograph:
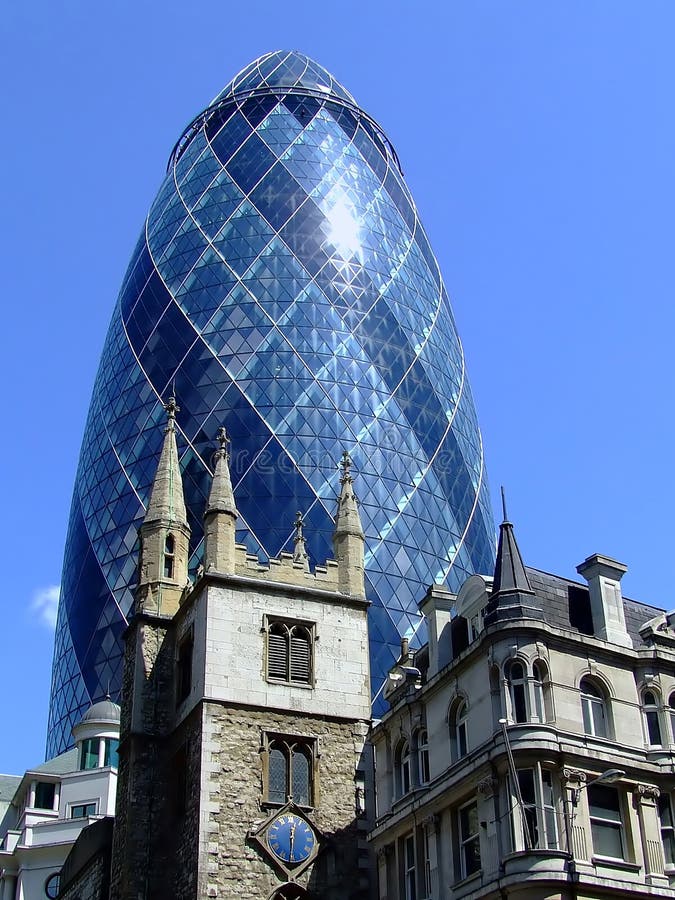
x=285 y=288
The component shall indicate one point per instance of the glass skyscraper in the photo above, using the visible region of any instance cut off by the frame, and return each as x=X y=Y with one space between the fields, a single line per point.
x=283 y=286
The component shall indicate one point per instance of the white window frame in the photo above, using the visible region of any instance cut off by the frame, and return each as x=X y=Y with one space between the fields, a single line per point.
x=614 y=823
x=594 y=705
x=410 y=867
x=664 y=805
x=516 y=686
x=544 y=807
x=652 y=718
x=465 y=840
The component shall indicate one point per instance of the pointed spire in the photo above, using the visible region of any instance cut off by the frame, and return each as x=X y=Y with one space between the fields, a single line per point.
x=167 y=503
x=348 y=538
x=510 y=574
x=221 y=495
x=512 y=596
x=348 y=520
x=221 y=514
x=299 y=544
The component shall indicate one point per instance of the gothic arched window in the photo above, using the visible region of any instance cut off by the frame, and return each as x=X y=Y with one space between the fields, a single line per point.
x=289 y=771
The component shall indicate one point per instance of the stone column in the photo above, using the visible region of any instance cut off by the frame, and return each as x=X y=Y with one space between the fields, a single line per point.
x=577 y=823
x=645 y=797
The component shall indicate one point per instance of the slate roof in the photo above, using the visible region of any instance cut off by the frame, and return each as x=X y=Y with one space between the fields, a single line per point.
x=566 y=605
x=59 y=765
x=8 y=786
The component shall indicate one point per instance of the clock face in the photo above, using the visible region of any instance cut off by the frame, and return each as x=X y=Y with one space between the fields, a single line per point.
x=290 y=838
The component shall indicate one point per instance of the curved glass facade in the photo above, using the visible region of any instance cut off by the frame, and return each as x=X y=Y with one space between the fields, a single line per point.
x=283 y=286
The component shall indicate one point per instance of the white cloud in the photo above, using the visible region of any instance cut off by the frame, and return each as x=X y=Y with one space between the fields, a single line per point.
x=45 y=603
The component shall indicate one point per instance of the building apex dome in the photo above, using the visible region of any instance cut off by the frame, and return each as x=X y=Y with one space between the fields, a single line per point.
x=285 y=69
x=103 y=711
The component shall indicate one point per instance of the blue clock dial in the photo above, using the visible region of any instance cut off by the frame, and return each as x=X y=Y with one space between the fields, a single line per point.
x=290 y=838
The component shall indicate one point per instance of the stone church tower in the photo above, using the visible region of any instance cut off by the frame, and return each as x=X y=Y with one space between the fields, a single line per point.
x=246 y=705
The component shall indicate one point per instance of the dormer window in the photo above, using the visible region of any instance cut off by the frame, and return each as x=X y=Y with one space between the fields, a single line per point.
x=169 y=553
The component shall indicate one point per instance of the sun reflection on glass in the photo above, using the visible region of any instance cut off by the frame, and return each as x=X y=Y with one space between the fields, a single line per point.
x=344 y=232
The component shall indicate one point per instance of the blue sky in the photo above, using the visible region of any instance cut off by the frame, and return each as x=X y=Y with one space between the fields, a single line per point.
x=539 y=143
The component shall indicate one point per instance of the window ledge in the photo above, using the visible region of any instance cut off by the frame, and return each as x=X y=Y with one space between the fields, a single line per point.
x=294 y=684
x=465 y=882
x=615 y=863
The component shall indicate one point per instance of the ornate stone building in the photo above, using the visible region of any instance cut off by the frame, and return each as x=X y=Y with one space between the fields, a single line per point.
x=529 y=748
x=246 y=706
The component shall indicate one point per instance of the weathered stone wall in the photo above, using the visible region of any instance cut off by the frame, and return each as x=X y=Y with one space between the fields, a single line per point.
x=144 y=813
x=92 y=883
x=234 y=865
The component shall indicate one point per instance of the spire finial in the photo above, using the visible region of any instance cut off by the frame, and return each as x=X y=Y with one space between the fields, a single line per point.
x=171 y=408
x=346 y=465
x=504 y=513
x=224 y=441
x=299 y=546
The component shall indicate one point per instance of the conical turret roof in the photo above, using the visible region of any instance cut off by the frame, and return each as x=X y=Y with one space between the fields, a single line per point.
x=167 y=503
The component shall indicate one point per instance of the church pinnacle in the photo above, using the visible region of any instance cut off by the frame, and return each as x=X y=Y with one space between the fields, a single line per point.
x=299 y=543
x=165 y=533
x=221 y=513
x=167 y=503
x=348 y=538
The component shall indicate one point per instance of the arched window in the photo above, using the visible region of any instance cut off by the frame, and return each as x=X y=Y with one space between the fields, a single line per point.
x=515 y=676
x=459 y=743
x=289 y=771
x=289 y=652
x=650 y=709
x=403 y=781
x=423 y=756
x=169 y=554
x=541 y=691
x=593 y=709
x=671 y=707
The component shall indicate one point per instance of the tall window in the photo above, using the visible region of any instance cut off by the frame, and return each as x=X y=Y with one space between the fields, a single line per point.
x=539 y=819
x=458 y=730
x=604 y=807
x=169 y=554
x=89 y=753
x=423 y=756
x=541 y=690
x=402 y=765
x=593 y=709
x=517 y=682
x=289 y=652
x=469 y=839
x=665 y=808
x=110 y=755
x=651 y=713
x=289 y=771
x=409 y=867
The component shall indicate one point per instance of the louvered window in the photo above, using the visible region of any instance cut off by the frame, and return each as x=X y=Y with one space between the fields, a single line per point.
x=289 y=653
x=277 y=652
